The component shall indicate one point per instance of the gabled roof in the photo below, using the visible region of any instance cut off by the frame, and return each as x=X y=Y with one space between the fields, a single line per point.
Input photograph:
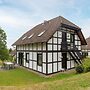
x=49 y=28
x=88 y=44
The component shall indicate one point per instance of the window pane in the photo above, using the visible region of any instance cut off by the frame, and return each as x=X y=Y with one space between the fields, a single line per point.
x=39 y=59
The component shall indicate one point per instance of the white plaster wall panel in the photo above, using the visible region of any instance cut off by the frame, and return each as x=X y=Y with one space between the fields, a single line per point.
x=17 y=60
x=49 y=68
x=59 y=41
x=76 y=43
x=34 y=46
x=59 y=66
x=18 y=47
x=68 y=56
x=39 y=68
x=88 y=53
x=30 y=55
x=68 y=64
x=34 y=65
x=26 y=47
x=35 y=56
x=49 y=57
x=59 y=34
x=39 y=46
x=21 y=47
x=27 y=64
x=59 y=56
x=24 y=62
x=59 y=47
x=79 y=47
x=72 y=63
x=54 y=47
x=55 y=34
x=49 y=47
x=30 y=47
x=68 y=41
x=76 y=37
x=44 y=68
x=79 y=42
x=17 y=54
x=54 y=40
x=50 y=40
x=54 y=56
x=24 y=55
x=30 y=64
x=44 y=57
x=44 y=46
x=54 y=67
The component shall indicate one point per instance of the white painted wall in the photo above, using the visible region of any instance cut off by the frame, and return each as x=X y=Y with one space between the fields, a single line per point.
x=54 y=57
x=72 y=63
x=44 y=68
x=44 y=57
x=49 y=68
x=54 y=67
x=59 y=66
x=49 y=57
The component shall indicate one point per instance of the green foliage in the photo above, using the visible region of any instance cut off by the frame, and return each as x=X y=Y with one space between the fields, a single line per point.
x=79 y=69
x=86 y=64
x=4 y=54
x=85 y=67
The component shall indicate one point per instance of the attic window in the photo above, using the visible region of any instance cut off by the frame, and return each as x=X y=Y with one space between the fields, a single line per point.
x=31 y=35
x=41 y=33
x=24 y=37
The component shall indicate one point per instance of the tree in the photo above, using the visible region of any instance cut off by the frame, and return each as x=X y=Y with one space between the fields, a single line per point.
x=4 y=54
x=10 y=50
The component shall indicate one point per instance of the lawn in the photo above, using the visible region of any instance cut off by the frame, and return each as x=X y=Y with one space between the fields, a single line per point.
x=22 y=79
x=20 y=76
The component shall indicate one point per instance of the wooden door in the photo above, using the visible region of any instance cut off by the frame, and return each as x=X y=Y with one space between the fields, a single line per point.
x=64 y=60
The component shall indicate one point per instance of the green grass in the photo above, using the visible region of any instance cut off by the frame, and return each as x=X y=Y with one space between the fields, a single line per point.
x=22 y=79
x=22 y=76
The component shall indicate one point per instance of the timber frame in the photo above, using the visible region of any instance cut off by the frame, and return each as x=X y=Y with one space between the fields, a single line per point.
x=53 y=51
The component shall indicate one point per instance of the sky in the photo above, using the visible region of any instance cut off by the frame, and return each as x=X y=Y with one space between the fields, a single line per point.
x=19 y=16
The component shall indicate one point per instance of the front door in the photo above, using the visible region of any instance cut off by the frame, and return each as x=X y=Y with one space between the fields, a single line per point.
x=64 y=60
x=20 y=60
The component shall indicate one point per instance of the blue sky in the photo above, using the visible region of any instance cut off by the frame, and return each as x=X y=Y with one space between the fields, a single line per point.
x=19 y=16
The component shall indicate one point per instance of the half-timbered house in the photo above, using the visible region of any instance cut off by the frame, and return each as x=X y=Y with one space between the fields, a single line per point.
x=51 y=46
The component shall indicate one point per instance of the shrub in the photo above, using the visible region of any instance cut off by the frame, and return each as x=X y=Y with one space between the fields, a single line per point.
x=80 y=69
x=86 y=65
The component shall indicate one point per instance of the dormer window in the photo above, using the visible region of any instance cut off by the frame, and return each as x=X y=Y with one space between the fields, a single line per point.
x=24 y=37
x=31 y=36
x=41 y=33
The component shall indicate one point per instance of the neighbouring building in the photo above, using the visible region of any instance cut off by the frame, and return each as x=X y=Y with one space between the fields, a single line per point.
x=51 y=46
x=86 y=48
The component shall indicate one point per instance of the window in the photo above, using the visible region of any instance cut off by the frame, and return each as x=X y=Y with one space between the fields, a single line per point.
x=72 y=38
x=41 y=33
x=31 y=35
x=24 y=37
x=27 y=57
x=39 y=59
